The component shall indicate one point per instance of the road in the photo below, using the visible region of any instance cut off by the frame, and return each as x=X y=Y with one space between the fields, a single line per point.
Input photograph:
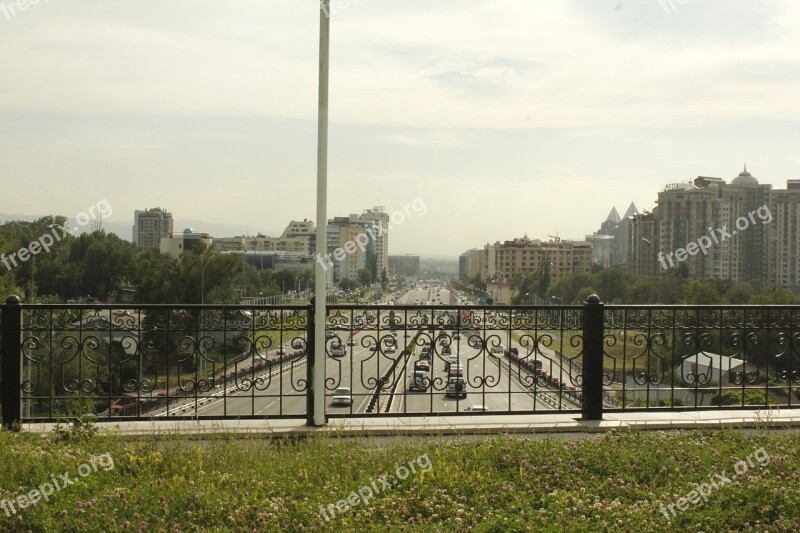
x=491 y=380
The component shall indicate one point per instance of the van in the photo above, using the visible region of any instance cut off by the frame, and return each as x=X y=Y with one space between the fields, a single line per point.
x=337 y=350
x=456 y=388
x=418 y=380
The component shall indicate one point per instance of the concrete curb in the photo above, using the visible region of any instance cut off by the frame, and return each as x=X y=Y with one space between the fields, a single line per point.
x=448 y=425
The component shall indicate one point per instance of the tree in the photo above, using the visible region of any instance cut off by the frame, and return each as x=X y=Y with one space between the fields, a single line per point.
x=613 y=284
x=348 y=284
x=104 y=260
x=365 y=277
x=284 y=280
x=700 y=293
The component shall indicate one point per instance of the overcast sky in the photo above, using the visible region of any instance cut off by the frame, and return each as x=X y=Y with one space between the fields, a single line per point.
x=504 y=117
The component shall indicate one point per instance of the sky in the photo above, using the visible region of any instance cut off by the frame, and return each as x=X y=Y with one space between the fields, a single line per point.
x=501 y=117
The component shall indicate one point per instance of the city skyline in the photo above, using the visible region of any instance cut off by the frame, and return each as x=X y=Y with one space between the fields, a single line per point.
x=505 y=119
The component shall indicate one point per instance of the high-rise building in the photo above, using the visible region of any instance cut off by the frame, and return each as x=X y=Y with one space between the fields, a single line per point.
x=558 y=257
x=783 y=237
x=380 y=222
x=404 y=265
x=470 y=264
x=740 y=231
x=149 y=226
x=610 y=243
x=305 y=228
x=356 y=241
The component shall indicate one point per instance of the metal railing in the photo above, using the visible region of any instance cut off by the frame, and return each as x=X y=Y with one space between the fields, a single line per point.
x=160 y=362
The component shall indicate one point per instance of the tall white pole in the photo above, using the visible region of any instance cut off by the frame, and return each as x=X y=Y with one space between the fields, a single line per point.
x=321 y=278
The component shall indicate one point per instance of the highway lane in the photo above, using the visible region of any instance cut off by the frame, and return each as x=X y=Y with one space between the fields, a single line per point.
x=490 y=380
x=488 y=383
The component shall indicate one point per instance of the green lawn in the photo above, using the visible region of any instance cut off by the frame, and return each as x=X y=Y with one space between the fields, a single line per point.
x=617 y=481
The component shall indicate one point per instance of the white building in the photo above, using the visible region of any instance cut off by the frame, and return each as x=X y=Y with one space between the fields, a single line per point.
x=188 y=241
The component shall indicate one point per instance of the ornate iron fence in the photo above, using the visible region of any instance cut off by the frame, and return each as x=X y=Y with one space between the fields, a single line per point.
x=127 y=362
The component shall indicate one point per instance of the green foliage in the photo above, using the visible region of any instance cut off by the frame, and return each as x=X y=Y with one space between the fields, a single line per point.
x=79 y=425
x=365 y=277
x=617 y=481
x=751 y=397
x=100 y=265
x=617 y=286
x=347 y=284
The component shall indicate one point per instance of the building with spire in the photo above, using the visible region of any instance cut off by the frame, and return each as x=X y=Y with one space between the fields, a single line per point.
x=610 y=243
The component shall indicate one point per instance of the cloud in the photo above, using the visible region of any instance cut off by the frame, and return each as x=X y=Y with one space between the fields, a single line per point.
x=429 y=139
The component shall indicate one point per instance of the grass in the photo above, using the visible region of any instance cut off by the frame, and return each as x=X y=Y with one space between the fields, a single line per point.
x=492 y=484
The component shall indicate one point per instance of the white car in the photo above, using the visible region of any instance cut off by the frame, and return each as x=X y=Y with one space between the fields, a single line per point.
x=498 y=349
x=343 y=396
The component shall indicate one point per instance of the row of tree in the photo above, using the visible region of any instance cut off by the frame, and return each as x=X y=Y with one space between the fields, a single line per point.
x=101 y=266
x=616 y=285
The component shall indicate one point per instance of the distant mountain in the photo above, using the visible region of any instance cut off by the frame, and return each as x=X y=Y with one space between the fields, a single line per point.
x=218 y=230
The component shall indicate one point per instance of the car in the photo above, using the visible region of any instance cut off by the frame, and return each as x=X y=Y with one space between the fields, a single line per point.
x=390 y=349
x=446 y=350
x=425 y=356
x=456 y=388
x=499 y=349
x=449 y=361
x=455 y=369
x=477 y=408
x=329 y=334
x=422 y=364
x=351 y=342
x=343 y=396
x=337 y=350
x=418 y=381
x=281 y=350
x=456 y=336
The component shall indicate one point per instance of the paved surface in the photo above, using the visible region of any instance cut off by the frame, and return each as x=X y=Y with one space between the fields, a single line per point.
x=456 y=425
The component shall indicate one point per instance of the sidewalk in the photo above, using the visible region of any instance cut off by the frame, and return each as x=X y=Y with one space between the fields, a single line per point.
x=454 y=425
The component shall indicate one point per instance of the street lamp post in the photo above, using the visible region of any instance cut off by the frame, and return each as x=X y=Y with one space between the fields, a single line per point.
x=320 y=276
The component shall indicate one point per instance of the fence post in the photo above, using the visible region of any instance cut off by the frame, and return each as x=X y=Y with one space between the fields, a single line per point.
x=310 y=343
x=593 y=359
x=12 y=363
